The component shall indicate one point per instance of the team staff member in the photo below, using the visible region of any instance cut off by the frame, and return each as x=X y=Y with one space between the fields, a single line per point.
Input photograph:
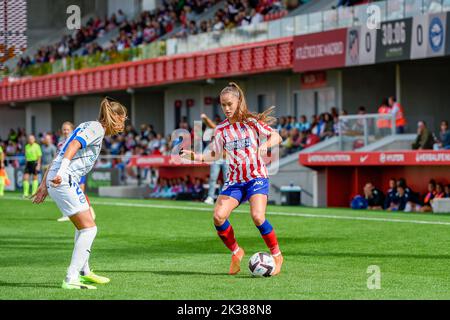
x=33 y=155
x=374 y=197
x=397 y=110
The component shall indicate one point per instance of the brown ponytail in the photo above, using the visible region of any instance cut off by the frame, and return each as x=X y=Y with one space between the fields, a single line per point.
x=109 y=109
x=242 y=112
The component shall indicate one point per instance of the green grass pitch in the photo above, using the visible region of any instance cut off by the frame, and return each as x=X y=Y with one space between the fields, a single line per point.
x=169 y=250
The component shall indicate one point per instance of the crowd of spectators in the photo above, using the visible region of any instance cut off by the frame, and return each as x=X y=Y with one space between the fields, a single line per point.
x=236 y=13
x=182 y=188
x=302 y=133
x=81 y=39
x=400 y=197
x=151 y=25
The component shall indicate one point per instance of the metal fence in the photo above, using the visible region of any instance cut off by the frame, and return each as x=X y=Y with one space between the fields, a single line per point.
x=358 y=131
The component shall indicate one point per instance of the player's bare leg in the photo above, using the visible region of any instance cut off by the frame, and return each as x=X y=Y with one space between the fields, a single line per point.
x=224 y=206
x=258 y=205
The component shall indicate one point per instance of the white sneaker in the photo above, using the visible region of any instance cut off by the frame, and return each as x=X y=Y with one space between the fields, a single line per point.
x=209 y=200
x=64 y=218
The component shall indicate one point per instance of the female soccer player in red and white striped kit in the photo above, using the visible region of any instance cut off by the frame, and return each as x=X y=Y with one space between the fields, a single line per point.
x=244 y=137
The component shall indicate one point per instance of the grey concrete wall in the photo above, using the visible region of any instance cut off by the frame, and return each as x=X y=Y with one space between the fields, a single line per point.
x=41 y=112
x=149 y=109
x=11 y=117
x=367 y=86
x=62 y=111
x=425 y=87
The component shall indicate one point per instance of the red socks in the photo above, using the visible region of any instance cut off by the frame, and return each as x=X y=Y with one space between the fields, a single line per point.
x=270 y=238
x=226 y=233
x=272 y=243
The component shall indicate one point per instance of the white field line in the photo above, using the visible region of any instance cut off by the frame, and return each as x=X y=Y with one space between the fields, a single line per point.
x=274 y=213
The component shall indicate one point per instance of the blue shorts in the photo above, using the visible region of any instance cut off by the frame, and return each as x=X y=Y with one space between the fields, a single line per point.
x=82 y=180
x=243 y=191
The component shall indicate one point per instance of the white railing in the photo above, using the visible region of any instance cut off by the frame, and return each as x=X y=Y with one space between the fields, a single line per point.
x=357 y=131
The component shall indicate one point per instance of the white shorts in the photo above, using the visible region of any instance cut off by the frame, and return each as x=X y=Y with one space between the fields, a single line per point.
x=70 y=199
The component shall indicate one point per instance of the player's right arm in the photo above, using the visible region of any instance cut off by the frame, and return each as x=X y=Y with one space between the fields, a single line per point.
x=70 y=152
x=212 y=153
x=208 y=121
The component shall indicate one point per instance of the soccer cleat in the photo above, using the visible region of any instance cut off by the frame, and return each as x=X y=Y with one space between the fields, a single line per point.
x=278 y=263
x=64 y=218
x=76 y=285
x=93 y=278
x=209 y=200
x=236 y=259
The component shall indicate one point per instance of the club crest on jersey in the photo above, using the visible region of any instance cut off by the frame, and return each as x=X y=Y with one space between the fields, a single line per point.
x=237 y=144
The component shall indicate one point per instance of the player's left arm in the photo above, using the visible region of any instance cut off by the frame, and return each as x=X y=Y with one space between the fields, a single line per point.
x=273 y=138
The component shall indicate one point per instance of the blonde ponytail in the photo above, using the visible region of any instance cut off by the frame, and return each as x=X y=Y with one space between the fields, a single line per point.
x=109 y=110
x=242 y=112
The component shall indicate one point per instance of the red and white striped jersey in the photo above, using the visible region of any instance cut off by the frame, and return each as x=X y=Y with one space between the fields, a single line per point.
x=240 y=141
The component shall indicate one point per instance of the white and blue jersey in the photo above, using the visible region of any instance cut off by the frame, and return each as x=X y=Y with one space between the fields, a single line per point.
x=90 y=135
x=68 y=195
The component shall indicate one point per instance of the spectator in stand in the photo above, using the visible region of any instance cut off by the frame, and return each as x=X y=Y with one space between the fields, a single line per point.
x=328 y=130
x=303 y=125
x=390 y=193
x=426 y=207
x=281 y=123
x=374 y=197
x=397 y=110
x=424 y=140
x=318 y=126
x=444 y=137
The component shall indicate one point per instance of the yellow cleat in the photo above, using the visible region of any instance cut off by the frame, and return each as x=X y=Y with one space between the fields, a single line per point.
x=93 y=278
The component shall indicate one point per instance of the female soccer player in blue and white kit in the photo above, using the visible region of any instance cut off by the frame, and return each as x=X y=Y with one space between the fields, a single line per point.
x=75 y=160
x=244 y=137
